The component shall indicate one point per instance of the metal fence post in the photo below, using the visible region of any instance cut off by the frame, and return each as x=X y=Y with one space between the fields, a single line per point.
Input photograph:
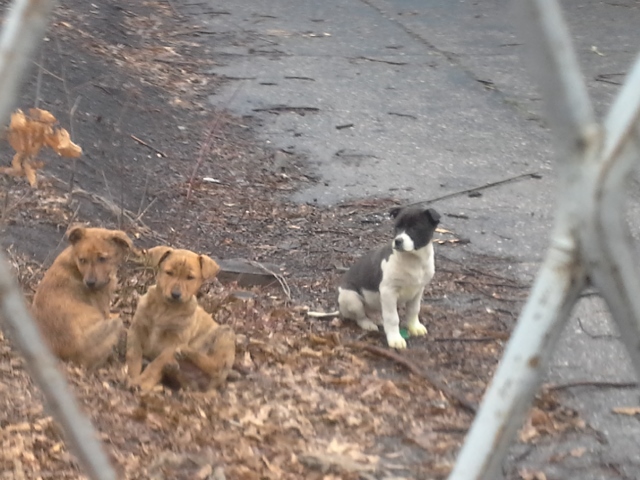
x=590 y=239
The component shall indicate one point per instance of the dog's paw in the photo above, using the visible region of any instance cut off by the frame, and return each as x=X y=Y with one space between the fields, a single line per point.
x=132 y=386
x=179 y=355
x=368 y=325
x=395 y=340
x=417 y=330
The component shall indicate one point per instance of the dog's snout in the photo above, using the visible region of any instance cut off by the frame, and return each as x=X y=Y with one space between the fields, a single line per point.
x=175 y=294
x=397 y=243
x=90 y=282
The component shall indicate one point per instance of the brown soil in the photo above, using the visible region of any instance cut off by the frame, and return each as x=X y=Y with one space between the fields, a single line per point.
x=129 y=81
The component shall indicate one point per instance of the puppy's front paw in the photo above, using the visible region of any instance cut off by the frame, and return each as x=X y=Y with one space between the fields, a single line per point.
x=368 y=325
x=417 y=329
x=395 y=340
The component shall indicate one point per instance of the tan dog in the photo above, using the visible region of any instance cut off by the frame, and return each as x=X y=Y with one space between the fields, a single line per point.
x=73 y=299
x=186 y=347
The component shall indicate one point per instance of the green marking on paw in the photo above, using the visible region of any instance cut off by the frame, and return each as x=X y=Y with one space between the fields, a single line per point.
x=404 y=333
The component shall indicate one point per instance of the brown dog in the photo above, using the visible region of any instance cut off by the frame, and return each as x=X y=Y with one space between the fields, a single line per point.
x=73 y=299
x=186 y=347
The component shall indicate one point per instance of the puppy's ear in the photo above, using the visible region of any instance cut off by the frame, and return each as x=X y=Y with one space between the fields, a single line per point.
x=75 y=234
x=432 y=215
x=208 y=266
x=156 y=255
x=393 y=213
x=122 y=240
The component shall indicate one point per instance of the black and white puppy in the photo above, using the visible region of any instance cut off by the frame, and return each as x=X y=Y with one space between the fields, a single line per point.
x=392 y=275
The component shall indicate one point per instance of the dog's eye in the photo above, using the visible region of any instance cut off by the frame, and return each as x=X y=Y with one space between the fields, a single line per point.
x=169 y=273
x=102 y=259
x=82 y=261
x=190 y=277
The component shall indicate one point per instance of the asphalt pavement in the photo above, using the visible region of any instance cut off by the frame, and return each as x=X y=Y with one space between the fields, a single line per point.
x=417 y=99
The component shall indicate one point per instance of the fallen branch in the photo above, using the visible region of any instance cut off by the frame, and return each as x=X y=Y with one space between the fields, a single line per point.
x=405 y=362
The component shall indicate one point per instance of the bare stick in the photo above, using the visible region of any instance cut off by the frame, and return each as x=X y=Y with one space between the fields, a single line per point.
x=106 y=184
x=281 y=280
x=45 y=263
x=175 y=12
x=48 y=72
x=590 y=383
x=39 y=82
x=150 y=147
x=468 y=339
x=144 y=194
x=475 y=189
x=43 y=367
x=206 y=145
x=139 y=217
x=405 y=362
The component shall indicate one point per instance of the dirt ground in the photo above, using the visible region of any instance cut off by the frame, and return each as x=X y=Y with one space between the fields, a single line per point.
x=311 y=398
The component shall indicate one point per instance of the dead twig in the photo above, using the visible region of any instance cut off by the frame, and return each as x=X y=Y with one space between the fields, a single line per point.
x=173 y=9
x=590 y=383
x=144 y=194
x=45 y=263
x=465 y=339
x=487 y=284
x=108 y=205
x=48 y=72
x=281 y=280
x=39 y=81
x=405 y=362
x=150 y=147
x=206 y=145
x=139 y=217
x=523 y=176
x=379 y=60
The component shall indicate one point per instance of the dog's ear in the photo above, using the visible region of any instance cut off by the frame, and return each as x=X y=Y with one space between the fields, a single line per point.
x=156 y=255
x=432 y=215
x=208 y=266
x=75 y=234
x=393 y=213
x=122 y=240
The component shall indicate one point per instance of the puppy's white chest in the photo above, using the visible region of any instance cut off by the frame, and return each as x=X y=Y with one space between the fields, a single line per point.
x=407 y=275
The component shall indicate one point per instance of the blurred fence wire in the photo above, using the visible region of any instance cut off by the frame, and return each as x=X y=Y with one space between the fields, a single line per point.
x=24 y=27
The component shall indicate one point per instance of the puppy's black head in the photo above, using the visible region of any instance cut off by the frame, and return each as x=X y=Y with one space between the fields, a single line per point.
x=414 y=227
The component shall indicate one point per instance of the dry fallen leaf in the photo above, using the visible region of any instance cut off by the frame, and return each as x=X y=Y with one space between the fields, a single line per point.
x=538 y=422
x=532 y=475
x=577 y=452
x=631 y=411
x=28 y=134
